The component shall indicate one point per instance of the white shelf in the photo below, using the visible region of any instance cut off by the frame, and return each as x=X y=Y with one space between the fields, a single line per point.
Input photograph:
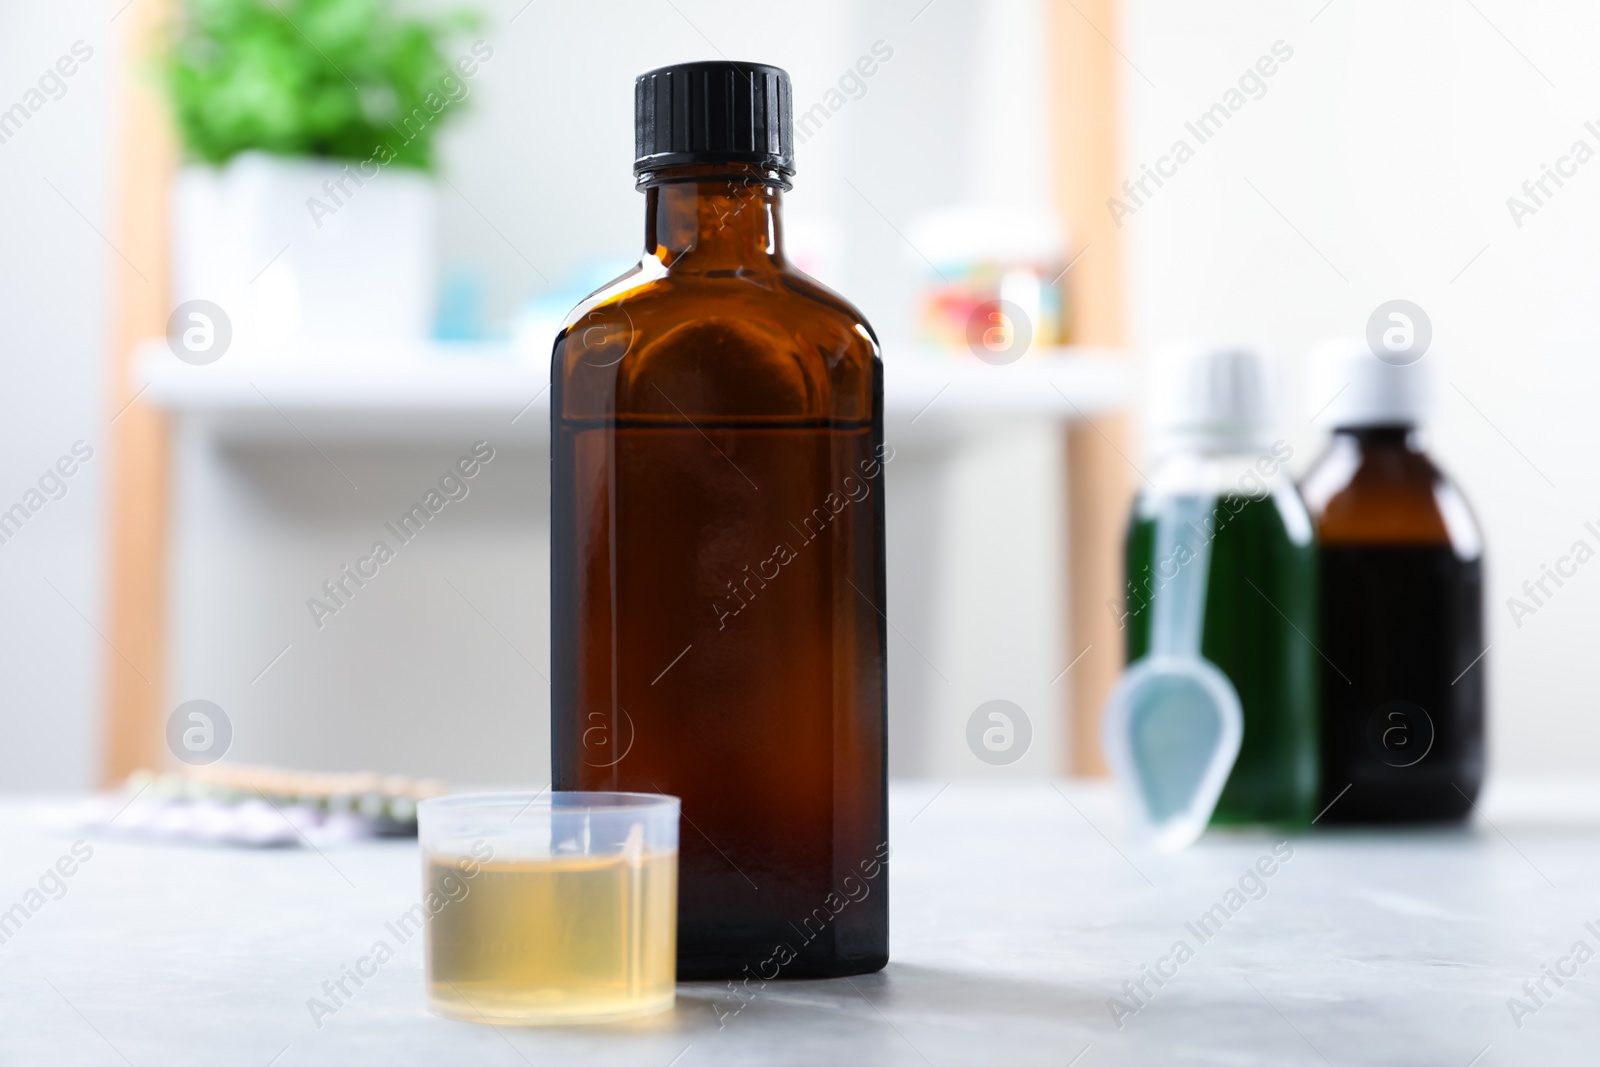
x=442 y=391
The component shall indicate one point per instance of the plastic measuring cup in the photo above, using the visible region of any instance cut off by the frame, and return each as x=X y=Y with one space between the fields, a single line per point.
x=550 y=907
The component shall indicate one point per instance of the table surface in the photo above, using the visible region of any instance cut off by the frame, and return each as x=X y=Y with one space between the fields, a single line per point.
x=1019 y=911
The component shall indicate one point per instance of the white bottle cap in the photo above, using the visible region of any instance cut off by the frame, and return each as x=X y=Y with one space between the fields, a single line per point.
x=1212 y=397
x=1351 y=387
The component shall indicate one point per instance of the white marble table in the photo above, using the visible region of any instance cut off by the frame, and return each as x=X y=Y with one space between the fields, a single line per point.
x=1018 y=910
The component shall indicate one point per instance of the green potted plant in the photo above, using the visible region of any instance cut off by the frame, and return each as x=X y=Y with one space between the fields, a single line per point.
x=305 y=207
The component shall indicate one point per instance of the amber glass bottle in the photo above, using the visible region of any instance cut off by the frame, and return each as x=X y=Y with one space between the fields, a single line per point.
x=1402 y=607
x=717 y=555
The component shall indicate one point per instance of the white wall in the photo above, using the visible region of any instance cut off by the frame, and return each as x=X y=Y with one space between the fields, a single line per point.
x=1390 y=142
x=54 y=276
x=546 y=154
x=543 y=186
x=437 y=666
x=976 y=581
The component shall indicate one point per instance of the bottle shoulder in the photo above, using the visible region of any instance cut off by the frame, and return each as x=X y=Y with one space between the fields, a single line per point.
x=1387 y=495
x=1256 y=487
x=1203 y=473
x=830 y=303
x=745 y=343
x=650 y=290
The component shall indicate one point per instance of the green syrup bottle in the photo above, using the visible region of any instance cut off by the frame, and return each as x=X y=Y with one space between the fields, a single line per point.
x=1215 y=412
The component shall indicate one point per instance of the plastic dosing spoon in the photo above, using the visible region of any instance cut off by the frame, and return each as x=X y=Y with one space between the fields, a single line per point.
x=1172 y=724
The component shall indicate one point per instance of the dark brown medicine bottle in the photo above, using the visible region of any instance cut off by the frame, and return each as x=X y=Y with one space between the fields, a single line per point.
x=1401 y=572
x=717 y=555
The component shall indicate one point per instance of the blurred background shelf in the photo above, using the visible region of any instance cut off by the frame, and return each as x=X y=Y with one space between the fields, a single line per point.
x=282 y=468
x=442 y=392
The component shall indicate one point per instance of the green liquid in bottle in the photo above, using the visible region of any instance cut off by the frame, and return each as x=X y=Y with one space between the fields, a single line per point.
x=1260 y=620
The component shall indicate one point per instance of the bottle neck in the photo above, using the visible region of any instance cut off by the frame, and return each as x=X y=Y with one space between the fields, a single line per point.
x=1400 y=436
x=715 y=217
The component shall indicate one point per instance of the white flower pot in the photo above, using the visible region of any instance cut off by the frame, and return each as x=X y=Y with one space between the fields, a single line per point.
x=308 y=253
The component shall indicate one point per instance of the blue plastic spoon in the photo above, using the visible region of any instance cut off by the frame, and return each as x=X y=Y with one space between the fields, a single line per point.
x=1172 y=724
